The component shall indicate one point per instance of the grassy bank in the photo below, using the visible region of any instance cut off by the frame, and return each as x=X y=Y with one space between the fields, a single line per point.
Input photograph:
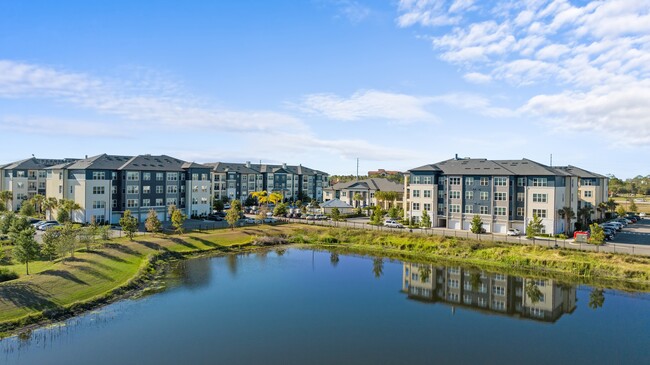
x=111 y=269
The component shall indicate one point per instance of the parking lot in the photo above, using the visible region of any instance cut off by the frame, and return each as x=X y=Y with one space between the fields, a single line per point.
x=637 y=233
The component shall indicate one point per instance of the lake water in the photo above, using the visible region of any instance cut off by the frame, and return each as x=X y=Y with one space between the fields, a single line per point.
x=303 y=307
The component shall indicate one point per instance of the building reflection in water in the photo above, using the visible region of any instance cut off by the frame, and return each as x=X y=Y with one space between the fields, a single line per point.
x=537 y=299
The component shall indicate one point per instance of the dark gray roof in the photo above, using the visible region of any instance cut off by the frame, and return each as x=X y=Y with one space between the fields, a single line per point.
x=136 y=163
x=525 y=167
x=226 y=166
x=372 y=184
x=472 y=166
x=430 y=167
x=335 y=203
x=263 y=168
x=100 y=162
x=33 y=163
x=582 y=173
x=153 y=163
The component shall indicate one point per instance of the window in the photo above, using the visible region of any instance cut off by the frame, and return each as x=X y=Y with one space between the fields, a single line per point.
x=204 y=200
x=195 y=176
x=171 y=201
x=484 y=209
x=99 y=175
x=588 y=194
x=469 y=195
x=99 y=204
x=195 y=201
x=113 y=173
x=500 y=181
x=427 y=193
x=132 y=175
x=484 y=195
x=427 y=207
x=132 y=203
x=485 y=181
x=159 y=176
x=521 y=181
x=454 y=194
x=98 y=218
x=132 y=189
x=499 y=210
x=441 y=181
x=344 y=193
x=540 y=198
x=416 y=180
x=159 y=202
x=540 y=181
x=454 y=180
x=500 y=196
x=20 y=173
x=441 y=208
x=520 y=211
x=586 y=182
x=195 y=189
x=114 y=203
x=520 y=197
x=42 y=174
x=498 y=290
x=172 y=189
x=159 y=189
x=60 y=189
x=172 y=176
x=146 y=189
x=204 y=188
x=427 y=180
x=454 y=208
x=416 y=193
x=541 y=213
x=205 y=177
x=98 y=190
x=441 y=194
x=416 y=206
x=469 y=209
x=469 y=181
x=146 y=202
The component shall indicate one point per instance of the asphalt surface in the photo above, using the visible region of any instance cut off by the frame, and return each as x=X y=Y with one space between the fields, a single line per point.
x=637 y=233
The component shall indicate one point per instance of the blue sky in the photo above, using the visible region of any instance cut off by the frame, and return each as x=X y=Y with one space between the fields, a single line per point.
x=321 y=82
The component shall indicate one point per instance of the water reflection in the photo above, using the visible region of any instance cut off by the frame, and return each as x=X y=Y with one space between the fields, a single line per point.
x=194 y=273
x=537 y=299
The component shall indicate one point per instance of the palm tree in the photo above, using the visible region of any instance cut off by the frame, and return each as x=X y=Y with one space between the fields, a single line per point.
x=357 y=199
x=567 y=214
x=602 y=208
x=378 y=267
x=50 y=204
x=596 y=298
x=38 y=200
x=385 y=196
x=584 y=214
x=69 y=205
x=611 y=205
x=6 y=196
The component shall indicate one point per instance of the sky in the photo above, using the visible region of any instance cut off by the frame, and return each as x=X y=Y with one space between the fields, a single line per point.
x=394 y=83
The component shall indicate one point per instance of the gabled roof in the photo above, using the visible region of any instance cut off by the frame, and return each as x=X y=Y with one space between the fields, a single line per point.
x=370 y=184
x=32 y=163
x=247 y=168
x=227 y=166
x=472 y=166
x=100 y=162
x=429 y=167
x=526 y=167
x=336 y=203
x=582 y=173
x=153 y=163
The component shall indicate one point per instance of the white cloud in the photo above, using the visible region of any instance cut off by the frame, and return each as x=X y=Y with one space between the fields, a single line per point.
x=477 y=78
x=429 y=13
x=369 y=104
x=63 y=127
x=476 y=103
x=353 y=11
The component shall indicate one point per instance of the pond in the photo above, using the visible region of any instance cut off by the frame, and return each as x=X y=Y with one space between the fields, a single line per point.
x=303 y=307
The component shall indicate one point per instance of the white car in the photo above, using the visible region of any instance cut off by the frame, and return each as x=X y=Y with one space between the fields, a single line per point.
x=269 y=220
x=393 y=224
x=513 y=232
x=642 y=215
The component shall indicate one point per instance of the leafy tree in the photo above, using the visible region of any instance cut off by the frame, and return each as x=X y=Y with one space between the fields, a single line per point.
x=393 y=213
x=621 y=211
x=264 y=197
x=475 y=280
x=280 y=210
x=632 y=206
x=129 y=224
x=178 y=218
x=233 y=214
x=377 y=216
x=314 y=203
x=477 y=224
x=18 y=224
x=170 y=210
x=67 y=239
x=6 y=197
x=298 y=204
x=262 y=213
x=250 y=201
x=426 y=220
x=50 y=242
x=152 y=223
x=567 y=214
x=27 y=209
x=225 y=199
x=385 y=196
x=334 y=259
x=336 y=214
x=611 y=205
x=602 y=208
x=219 y=205
x=62 y=216
x=597 y=236
x=378 y=267
x=26 y=248
x=6 y=222
x=534 y=227
x=533 y=292
x=596 y=298
x=425 y=273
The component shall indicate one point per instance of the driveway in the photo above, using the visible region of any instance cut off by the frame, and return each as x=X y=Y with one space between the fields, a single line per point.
x=636 y=234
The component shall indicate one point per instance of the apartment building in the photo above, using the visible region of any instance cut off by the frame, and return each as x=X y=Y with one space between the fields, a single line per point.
x=105 y=186
x=488 y=292
x=593 y=188
x=504 y=193
x=25 y=178
x=366 y=189
x=240 y=180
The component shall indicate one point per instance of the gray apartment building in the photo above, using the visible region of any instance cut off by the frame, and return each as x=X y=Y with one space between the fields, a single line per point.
x=105 y=186
x=240 y=180
x=504 y=193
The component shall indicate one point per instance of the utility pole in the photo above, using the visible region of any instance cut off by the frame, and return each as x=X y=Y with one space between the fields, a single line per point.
x=551 y=160
x=357 y=168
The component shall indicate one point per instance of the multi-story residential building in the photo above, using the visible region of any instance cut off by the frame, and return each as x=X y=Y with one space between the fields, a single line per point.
x=105 y=186
x=489 y=292
x=240 y=180
x=504 y=193
x=592 y=188
x=25 y=178
x=366 y=189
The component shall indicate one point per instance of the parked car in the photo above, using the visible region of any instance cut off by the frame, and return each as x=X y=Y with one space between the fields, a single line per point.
x=270 y=220
x=513 y=232
x=393 y=224
x=310 y=217
x=46 y=226
x=39 y=225
x=642 y=214
x=247 y=221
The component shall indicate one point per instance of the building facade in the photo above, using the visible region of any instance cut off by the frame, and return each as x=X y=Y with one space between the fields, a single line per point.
x=241 y=180
x=366 y=190
x=105 y=186
x=504 y=193
x=26 y=178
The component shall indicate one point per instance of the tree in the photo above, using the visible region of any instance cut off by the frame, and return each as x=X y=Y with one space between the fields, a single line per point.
x=233 y=214
x=263 y=197
x=280 y=210
x=394 y=213
x=567 y=214
x=26 y=248
x=477 y=224
x=385 y=196
x=218 y=205
x=621 y=211
x=611 y=205
x=50 y=241
x=178 y=218
x=426 y=220
x=378 y=267
x=602 y=208
x=152 y=223
x=62 y=215
x=597 y=236
x=334 y=259
x=6 y=222
x=6 y=197
x=534 y=227
x=49 y=204
x=357 y=199
x=425 y=273
x=298 y=204
x=129 y=224
x=70 y=206
x=27 y=209
x=584 y=215
x=632 y=206
x=37 y=201
x=250 y=201
x=533 y=292
x=596 y=298
x=67 y=239
x=336 y=214
x=377 y=216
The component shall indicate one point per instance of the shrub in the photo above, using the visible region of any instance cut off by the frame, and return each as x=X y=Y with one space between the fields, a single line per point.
x=6 y=275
